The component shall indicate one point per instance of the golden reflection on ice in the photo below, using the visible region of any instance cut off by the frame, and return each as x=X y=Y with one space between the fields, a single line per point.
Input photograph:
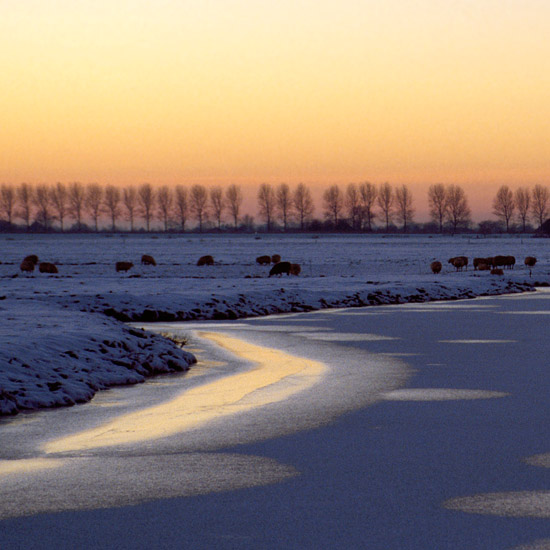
x=276 y=376
x=27 y=465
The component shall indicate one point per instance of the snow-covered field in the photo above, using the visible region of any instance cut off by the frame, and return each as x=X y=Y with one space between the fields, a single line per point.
x=62 y=339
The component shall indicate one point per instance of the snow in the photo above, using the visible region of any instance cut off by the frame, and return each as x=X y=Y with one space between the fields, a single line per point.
x=62 y=338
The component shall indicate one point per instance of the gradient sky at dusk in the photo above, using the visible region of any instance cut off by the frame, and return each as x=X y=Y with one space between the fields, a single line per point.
x=247 y=91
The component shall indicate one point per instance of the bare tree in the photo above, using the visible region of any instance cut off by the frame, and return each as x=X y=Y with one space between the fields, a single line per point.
x=25 y=193
x=217 y=204
x=60 y=201
x=283 y=203
x=266 y=203
x=234 y=199
x=146 y=201
x=77 y=196
x=333 y=204
x=458 y=211
x=437 y=202
x=198 y=202
x=504 y=206
x=539 y=204
x=404 y=207
x=302 y=204
x=522 y=198
x=385 y=200
x=112 y=201
x=7 y=201
x=367 y=194
x=43 y=203
x=181 y=204
x=352 y=202
x=94 y=201
x=129 y=198
x=165 y=200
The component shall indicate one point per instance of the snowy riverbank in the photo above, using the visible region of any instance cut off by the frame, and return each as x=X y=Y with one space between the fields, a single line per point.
x=62 y=339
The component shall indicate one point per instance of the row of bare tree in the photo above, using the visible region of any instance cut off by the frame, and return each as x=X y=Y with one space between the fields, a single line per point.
x=358 y=205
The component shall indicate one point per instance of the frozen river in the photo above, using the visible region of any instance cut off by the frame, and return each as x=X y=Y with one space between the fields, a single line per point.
x=408 y=426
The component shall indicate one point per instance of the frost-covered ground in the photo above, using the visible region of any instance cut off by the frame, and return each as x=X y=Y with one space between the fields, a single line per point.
x=62 y=339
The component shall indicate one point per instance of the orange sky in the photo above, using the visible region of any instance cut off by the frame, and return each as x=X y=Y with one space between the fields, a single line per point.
x=222 y=91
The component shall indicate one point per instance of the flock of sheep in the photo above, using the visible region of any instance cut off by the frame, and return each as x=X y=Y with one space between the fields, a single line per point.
x=29 y=263
x=493 y=264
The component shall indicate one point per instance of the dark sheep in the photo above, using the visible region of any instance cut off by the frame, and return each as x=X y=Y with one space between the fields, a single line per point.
x=436 y=267
x=206 y=260
x=275 y=259
x=295 y=269
x=263 y=260
x=47 y=267
x=459 y=262
x=27 y=265
x=124 y=266
x=530 y=262
x=280 y=268
x=510 y=262
x=497 y=271
x=148 y=260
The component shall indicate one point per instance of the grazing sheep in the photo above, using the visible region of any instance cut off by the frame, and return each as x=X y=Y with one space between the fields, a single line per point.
x=497 y=271
x=530 y=262
x=206 y=260
x=295 y=269
x=263 y=260
x=27 y=265
x=280 y=268
x=459 y=262
x=124 y=266
x=499 y=261
x=47 y=267
x=436 y=267
x=275 y=259
x=31 y=258
x=510 y=262
x=148 y=260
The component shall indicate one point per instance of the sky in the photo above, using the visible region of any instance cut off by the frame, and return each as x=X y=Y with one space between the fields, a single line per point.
x=249 y=91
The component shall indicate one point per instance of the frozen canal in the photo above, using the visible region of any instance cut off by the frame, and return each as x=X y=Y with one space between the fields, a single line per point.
x=410 y=426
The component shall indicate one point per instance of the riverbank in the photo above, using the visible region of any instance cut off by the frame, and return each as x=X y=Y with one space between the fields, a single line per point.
x=56 y=327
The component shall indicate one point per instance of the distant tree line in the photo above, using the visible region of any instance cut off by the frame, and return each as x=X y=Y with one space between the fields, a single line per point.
x=363 y=207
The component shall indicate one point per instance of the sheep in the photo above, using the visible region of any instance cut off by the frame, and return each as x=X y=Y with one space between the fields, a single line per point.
x=459 y=262
x=31 y=258
x=484 y=266
x=497 y=271
x=275 y=259
x=263 y=260
x=482 y=261
x=436 y=267
x=206 y=260
x=530 y=262
x=499 y=261
x=47 y=267
x=27 y=265
x=280 y=268
x=295 y=269
x=510 y=262
x=148 y=260
x=124 y=266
